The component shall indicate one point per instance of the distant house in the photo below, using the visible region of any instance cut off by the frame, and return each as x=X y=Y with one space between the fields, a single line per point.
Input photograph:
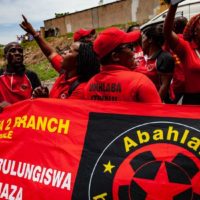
x=104 y=15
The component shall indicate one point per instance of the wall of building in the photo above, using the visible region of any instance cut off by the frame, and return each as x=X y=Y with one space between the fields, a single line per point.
x=116 y=13
x=119 y=12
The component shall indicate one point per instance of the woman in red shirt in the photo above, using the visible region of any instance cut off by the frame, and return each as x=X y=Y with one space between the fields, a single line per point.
x=159 y=64
x=188 y=51
x=76 y=66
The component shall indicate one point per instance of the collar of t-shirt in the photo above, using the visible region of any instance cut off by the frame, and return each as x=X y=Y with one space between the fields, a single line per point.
x=18 y=70
x=114 y=67
x=63 y=79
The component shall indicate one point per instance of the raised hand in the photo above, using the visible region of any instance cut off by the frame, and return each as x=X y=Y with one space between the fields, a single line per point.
x=40 y=92
x=27 y=26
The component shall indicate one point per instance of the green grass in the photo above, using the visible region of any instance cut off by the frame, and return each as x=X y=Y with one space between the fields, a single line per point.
x=1 y=52
x=33 y=44
x=44 y=70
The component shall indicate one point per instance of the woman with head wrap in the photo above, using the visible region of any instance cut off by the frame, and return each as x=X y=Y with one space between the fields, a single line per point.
x=76 y=66
x=188 y=51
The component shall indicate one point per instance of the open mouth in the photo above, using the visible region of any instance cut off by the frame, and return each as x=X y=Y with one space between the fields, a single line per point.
x=19 y=59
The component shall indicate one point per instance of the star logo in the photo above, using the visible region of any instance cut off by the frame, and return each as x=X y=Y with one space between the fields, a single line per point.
x=108 y=167
x=161 y=187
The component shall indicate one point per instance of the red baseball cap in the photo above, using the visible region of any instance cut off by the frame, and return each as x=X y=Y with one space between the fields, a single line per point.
x=112 y=37
x=82 y=33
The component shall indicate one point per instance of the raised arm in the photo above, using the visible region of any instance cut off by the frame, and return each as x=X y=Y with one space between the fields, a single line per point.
x=170 y=36
x=48 y=51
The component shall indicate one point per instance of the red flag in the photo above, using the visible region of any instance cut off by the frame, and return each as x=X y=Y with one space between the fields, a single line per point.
x=72 y=149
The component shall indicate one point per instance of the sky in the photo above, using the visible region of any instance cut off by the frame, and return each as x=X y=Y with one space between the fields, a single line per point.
x=36 y=11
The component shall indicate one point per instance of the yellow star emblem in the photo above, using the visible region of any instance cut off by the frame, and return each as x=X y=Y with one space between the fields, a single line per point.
x=108 y=167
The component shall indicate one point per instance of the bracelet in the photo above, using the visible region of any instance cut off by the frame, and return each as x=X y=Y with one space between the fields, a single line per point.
x=36 y=35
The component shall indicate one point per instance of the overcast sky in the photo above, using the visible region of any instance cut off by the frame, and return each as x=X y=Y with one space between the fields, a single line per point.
x=36 y=11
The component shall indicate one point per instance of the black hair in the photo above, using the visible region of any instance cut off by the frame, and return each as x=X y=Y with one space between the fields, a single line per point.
x=8 y=46
x=179 y=24
x=132 y=27
x=88 y=64
x=155 y=33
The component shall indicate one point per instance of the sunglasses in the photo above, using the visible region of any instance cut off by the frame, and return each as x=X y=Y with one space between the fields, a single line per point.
x=14 y=50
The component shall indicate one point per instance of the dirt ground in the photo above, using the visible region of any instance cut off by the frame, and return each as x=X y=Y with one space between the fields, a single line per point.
x=33 y=54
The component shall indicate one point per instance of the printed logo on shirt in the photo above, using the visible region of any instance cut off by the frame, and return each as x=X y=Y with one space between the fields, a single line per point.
x=151 y=65
x=24 y=87
x=63 y=96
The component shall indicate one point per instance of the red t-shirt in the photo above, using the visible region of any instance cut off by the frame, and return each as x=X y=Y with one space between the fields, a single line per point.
x=187 y=52
x=161 y=62
x=60 y=88
x=14 y=88
x=56 y=62
x=138 y=56
x=178 y=81
x=118 y=83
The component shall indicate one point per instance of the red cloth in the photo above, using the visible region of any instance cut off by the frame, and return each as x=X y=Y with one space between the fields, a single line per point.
x=61 y=87
x=150 y=70
x=178 y=81
x=112 y=37
x=56 y=62
x=187 y=53
x=14 y=88
x=82 y=33
x=118 y=83
x=138 y=56
x=161 y=62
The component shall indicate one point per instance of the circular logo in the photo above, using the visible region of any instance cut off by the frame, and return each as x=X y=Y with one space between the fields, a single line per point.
x=157 y=160
x=63 y=96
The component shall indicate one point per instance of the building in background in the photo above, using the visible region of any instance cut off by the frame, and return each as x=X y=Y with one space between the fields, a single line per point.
x=104 y=15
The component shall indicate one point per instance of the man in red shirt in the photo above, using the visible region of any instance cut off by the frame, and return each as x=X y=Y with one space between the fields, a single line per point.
x=16 y=82
x=117 y=81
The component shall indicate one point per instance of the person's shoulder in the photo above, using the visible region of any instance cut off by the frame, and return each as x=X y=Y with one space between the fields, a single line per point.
x=30 y=72
x=165 y=55
x=135 y=75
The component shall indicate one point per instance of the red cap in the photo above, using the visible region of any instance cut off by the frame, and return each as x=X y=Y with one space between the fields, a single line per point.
x=112 y=37
x=82 y=33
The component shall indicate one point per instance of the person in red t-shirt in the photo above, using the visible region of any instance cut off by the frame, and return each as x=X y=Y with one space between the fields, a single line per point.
x=116 y=80
x=188 y=51
x=177 y=86
x=137 y=47
x=76 y=66
x=16 y=82
x=159 y=65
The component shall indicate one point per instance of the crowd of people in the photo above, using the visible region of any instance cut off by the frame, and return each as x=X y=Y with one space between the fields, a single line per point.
x=159 y=64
